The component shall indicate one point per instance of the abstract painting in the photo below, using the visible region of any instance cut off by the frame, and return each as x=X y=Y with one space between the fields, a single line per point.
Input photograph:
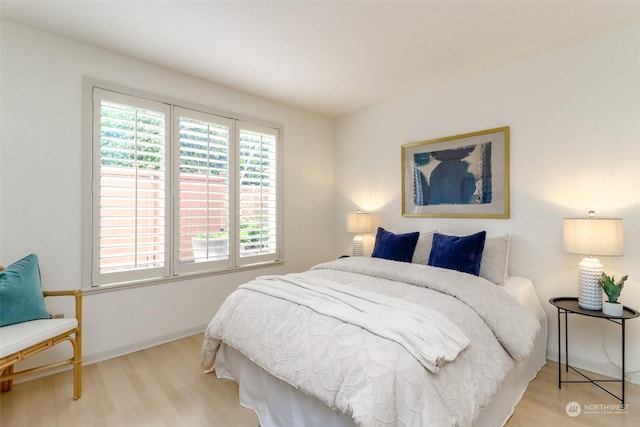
x=464 y=176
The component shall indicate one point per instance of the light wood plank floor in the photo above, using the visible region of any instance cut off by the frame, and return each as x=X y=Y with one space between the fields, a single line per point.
x=164 y=386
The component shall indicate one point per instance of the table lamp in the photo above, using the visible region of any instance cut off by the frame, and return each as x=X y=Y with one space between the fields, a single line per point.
x=358 y=223
x=592 y=237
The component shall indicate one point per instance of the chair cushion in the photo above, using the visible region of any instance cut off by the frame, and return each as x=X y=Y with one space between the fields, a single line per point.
x=20 y=292
x=17 y=337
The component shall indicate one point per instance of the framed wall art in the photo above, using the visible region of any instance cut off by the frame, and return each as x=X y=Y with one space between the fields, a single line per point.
x=460 y=176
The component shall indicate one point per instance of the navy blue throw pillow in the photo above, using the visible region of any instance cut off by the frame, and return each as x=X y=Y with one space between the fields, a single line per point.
x=461 y=253
x=395 y=247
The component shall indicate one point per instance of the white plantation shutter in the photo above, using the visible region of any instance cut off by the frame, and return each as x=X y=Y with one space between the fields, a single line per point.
x=177 y=192
x=258 y=193
x=203 y=153
x=131 y=176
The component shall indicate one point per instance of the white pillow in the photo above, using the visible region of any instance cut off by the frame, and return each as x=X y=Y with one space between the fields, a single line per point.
x=423 y=247
x=495 y=259
x=495 y=256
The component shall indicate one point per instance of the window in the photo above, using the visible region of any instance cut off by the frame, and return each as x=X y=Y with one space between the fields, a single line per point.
x=177 y=191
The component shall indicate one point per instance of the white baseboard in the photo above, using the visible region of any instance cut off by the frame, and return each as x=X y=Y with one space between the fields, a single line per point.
x=128 y=349
x=117 y=352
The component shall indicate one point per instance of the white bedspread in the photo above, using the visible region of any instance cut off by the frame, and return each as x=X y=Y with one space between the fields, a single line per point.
x=425 y=333
x=373 y=380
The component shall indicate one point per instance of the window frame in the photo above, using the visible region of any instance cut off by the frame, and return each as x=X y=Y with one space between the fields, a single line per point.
x=242 y=261
x=181 y=269
x=91 y=189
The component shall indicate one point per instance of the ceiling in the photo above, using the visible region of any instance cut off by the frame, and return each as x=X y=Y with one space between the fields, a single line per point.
x=328 y=57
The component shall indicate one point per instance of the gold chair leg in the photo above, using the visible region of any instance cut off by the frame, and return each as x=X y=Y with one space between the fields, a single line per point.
x=7 y=384
x=77 y=380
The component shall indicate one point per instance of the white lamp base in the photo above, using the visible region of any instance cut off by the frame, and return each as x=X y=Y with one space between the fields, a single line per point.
x=589 y=290
x=357 y=245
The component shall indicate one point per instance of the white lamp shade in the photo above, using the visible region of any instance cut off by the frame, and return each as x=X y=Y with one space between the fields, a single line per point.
x=359 y=222
x=593 y=236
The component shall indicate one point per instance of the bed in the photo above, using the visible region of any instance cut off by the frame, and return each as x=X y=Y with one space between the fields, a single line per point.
x=299 y=360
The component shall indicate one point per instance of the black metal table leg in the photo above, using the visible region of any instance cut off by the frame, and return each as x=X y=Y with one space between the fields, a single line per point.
x=623 y=371
x=566 y=340
x=559 y=353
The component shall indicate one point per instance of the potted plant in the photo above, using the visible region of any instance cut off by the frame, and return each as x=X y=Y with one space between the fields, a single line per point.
x=612 y=289
x=211 y=246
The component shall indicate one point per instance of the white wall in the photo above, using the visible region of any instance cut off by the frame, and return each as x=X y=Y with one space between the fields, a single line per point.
x=575 y=145
x=41 y=188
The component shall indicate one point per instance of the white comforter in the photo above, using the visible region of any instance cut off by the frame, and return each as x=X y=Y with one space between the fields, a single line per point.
x=374 y=380
x=427 y=335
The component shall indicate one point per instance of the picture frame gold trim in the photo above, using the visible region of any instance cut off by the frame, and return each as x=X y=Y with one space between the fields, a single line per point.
x=486 y=160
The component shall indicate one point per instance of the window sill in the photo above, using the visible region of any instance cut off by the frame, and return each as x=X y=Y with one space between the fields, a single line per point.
x=132 y=285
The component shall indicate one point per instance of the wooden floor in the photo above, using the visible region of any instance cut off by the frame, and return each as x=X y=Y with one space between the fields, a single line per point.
x=543 y=404
x=165 y=386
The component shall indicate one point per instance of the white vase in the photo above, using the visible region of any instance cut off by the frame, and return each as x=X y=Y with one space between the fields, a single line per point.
x=612 y=308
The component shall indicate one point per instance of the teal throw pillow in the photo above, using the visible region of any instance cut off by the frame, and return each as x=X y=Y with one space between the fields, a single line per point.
x=21 y=297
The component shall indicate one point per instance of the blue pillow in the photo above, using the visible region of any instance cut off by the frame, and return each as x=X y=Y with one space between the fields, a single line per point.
x=396 y=247
x=21 y=297
x=461 y=253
